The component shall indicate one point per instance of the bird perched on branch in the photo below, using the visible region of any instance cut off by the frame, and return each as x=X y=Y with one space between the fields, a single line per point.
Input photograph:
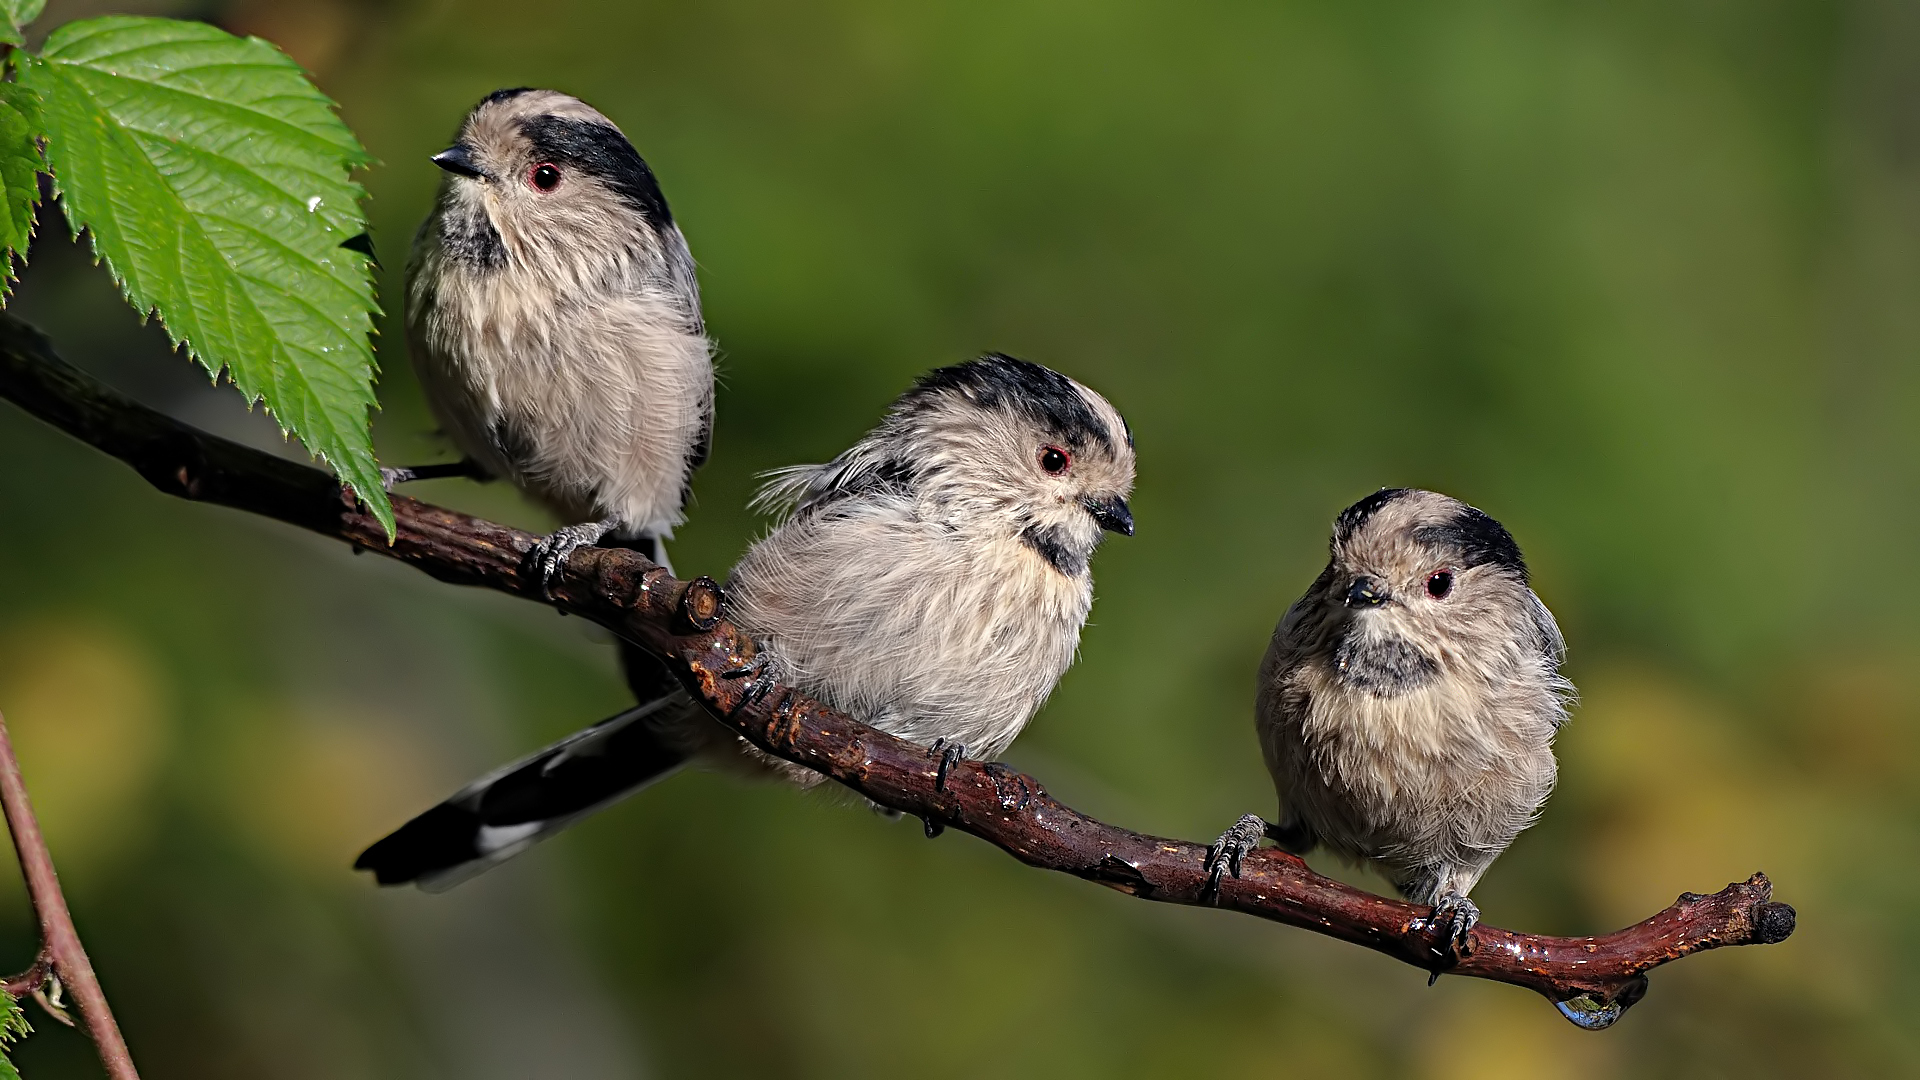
x=554 y=319
x=1408 y=703
x=931 y=581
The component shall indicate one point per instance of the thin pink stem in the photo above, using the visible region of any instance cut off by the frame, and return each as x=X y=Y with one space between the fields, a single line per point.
x=66 y=957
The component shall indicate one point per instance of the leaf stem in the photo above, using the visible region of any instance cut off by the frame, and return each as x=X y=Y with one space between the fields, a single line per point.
x=61 y=956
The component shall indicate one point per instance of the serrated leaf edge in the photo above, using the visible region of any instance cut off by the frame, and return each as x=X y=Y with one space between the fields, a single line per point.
x=362 y=475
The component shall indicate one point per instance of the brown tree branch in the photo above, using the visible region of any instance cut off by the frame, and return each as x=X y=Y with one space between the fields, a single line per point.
x=1592 y=978
x=61 y=955
x=35 y=977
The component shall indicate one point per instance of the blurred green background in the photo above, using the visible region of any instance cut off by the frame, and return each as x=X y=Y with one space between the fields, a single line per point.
x=1637 y=278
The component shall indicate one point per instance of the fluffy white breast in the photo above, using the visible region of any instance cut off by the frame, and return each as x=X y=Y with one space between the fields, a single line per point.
x=590 y=391
x=911 y=626
x=1448 y=773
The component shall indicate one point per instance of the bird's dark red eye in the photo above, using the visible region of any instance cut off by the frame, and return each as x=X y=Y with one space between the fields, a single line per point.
x=544 y=176
x=1054 y=461
x=1440 y=584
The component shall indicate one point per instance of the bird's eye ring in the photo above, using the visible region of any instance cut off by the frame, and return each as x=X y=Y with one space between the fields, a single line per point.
x=1440 y=583
x=544 y=176
x=1054 y=461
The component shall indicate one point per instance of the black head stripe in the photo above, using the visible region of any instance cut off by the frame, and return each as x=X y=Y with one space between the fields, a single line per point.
x=997 y=381
x=505 y=95
x=1354 y=516
x=601 y=152
x=1479 y=540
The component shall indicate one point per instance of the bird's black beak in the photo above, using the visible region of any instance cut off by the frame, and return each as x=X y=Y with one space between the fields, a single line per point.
x=1366 y=592
x=1112 y=514
x=458 y=160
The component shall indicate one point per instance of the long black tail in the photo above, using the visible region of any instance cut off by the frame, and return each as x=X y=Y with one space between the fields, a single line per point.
x=510 y=809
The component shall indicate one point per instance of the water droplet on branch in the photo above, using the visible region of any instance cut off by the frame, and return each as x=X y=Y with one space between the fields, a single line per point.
x=1588 y=1013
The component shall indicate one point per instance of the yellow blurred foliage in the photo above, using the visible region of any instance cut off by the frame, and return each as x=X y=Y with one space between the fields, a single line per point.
x=1681 y=792
x=312 y=786
x=1680 y=799
x=1859 y=721
x=1485 y=1031
x=86 y=707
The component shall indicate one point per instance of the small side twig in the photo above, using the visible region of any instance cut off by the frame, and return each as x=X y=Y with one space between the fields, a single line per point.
x=61 y=956
x=19 y=986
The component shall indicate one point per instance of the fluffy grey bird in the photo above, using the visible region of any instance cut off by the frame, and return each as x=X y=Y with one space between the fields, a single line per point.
x=554 y=319
x=1408 y=703
x=931 y=581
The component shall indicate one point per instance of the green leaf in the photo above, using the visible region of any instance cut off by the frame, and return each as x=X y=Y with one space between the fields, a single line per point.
x=214 y=180
x=20 y=166
x=15 y=14
x=13 y=1028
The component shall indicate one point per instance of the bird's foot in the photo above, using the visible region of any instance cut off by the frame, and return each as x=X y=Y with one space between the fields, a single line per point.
x=759 y=683
x=1224 y=854
x=553 y=549
x=1454 y=916
x=466 y=467
x=951 y=754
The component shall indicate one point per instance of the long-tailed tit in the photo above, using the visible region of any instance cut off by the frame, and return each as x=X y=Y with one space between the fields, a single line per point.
x=931 y=581
x=554 y=320
x=1408 y=703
